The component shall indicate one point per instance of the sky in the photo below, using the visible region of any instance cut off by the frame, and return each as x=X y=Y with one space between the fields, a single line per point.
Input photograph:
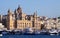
x=49 y=8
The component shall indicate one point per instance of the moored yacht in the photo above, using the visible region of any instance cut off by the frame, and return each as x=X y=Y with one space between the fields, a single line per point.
x=28 y=31
x=18 y=32
x=53 y=32
x=36 y=32
x=44 y=32
x=4 y=32
x=41 y=32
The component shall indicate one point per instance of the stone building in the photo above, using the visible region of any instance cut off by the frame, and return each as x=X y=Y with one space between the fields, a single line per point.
x=19 y=20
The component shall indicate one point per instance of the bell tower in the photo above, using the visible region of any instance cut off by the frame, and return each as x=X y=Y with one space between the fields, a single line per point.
x=10 y=23
x=35 y=20
x=35 y=16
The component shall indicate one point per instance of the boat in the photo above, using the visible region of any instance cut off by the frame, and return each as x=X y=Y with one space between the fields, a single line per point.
x=37 y=32
x=44 y=32
x=28 y=31
x=53 y=32
x=4 y=32
x=18 y=32
x=11 y=32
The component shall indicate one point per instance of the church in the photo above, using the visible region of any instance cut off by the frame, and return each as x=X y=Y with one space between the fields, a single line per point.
x=19 y=20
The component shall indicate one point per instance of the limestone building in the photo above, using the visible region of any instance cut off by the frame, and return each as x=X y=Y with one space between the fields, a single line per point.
x=19 y=20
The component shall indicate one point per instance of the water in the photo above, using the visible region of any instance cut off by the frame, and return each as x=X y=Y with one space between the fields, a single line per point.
x=30 y=36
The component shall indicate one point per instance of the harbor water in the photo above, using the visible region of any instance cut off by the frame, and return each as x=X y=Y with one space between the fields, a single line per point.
x=30 y=36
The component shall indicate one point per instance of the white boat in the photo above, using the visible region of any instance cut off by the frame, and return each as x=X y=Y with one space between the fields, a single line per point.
x=4 y=32
x=44 y=32
x=53 y=32
x=28 y=31
x=37 y=32
x=41 y=32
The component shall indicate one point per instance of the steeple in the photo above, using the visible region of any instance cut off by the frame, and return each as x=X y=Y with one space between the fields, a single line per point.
x=35 y=14
x=18 y=7
x=19 y=10
x=9 y=12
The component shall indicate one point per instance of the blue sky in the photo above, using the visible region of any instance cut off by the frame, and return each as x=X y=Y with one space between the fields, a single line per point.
x=49 y=8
